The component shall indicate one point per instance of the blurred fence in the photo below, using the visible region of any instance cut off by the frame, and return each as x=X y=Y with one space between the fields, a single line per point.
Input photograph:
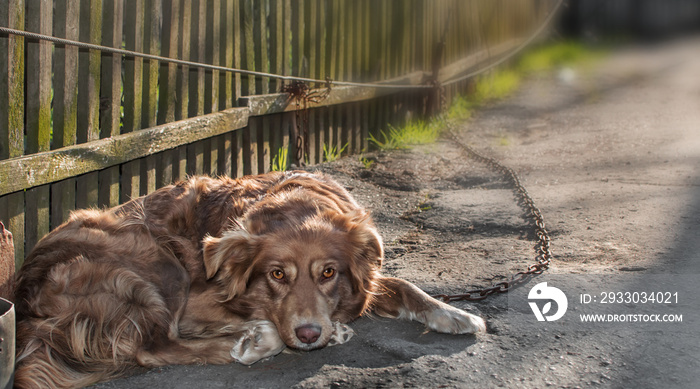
x=86 y=128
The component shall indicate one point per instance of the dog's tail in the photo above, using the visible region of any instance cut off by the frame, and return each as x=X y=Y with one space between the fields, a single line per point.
x=86 y=332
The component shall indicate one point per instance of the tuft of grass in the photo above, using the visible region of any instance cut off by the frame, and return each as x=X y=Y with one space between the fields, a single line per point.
x=500 y=83
x=389 y=143
x=460 y=109
x=494 y=86
x=366 y=162
x=552 y=56
x=281 y=161
x=332 y=153
x=415 y=132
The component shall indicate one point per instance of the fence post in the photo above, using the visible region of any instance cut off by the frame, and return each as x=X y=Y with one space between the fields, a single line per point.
x=12 y=14
x=7 y=263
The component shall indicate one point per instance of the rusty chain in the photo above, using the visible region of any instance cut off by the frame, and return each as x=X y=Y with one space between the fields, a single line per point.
x=543 y=256
x=303 y=95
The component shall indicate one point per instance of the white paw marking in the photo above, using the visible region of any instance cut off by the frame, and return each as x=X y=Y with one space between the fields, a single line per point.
x=450 y=320
x=341 y=334
x=258 y=342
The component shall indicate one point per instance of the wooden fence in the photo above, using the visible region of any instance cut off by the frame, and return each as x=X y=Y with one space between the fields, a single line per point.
x=83 y=128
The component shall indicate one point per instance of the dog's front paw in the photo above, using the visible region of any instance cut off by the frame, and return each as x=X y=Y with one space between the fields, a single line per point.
x=450 y=320
x=341 y=334
x=258 y=342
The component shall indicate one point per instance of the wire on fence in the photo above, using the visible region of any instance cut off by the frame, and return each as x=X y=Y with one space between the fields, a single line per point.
x=130 y=53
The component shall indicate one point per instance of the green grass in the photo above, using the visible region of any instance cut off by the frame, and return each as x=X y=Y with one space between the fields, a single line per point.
x=498 y=84
x=415 y=132
x=551 y=56
x=367 y=163
x=281 y=161
x=332 y=153
x=492 y=86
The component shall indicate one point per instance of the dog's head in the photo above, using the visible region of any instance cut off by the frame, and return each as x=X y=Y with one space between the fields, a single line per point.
x=303 y=273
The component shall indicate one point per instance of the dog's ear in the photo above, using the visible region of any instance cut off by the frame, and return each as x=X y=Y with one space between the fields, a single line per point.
x=365 y=238
x=229 y=259
x=366 y=246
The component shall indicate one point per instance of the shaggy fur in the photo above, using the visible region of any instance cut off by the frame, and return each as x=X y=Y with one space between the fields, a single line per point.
x=207 y=271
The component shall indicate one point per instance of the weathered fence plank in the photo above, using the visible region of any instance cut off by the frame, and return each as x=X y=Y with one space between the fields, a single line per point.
x=7 y=263
x=88 y=116
x=110 y=96
x=228 y=96
x=248 y=49
x=38 y=77
x=42 y=168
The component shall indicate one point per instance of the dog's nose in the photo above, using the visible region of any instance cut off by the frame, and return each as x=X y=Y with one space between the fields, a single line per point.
x=308 y=333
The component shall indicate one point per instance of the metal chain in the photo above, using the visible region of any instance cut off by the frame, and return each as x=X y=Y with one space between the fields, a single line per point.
x=302 y=94
x=543 y=256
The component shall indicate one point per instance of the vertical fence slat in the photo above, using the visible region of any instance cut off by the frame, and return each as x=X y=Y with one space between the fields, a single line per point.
x=89 y=71
x=227 y=36
x=12 y=117
x=66 y=75
x=38 y=77
x=250 y=147
x=12 y=83
x=310 y=13
x=169 y=72
x=237 y=49
x=312 y=136
x=167 y=86
x=183 y=75
x=111 y=96
x=37 y=213
x=238 y=154
x=213 y=97
x=261 y=48
x=111 y=79
x=133 y=66
x=38 y=119
x=298 y=55
x=88 y=116
x=225 y=155
x=133 y=93
x=339 y=32
x=212 y=55
x=264 y=158
x=197 y=54
x=12 y=214
x=248 y=47
x=152 y=44
x=276 y=135
x=365 y=39
x=277 y=37
x=66 y=24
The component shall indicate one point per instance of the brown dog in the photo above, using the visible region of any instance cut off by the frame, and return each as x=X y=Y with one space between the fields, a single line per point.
x=207 y=271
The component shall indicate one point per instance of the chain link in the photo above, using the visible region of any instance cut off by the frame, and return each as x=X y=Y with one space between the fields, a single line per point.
x=543 y=252
x=302 y=95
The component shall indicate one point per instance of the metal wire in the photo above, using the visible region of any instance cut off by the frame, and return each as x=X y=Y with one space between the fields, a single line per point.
x=130 y=53
x=512 y=53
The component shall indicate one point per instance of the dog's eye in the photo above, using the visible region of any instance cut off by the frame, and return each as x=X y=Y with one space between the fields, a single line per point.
x=277 y=274
x=328 y=273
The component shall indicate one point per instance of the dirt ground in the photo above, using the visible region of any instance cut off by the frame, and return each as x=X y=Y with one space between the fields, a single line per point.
x=610 y=156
